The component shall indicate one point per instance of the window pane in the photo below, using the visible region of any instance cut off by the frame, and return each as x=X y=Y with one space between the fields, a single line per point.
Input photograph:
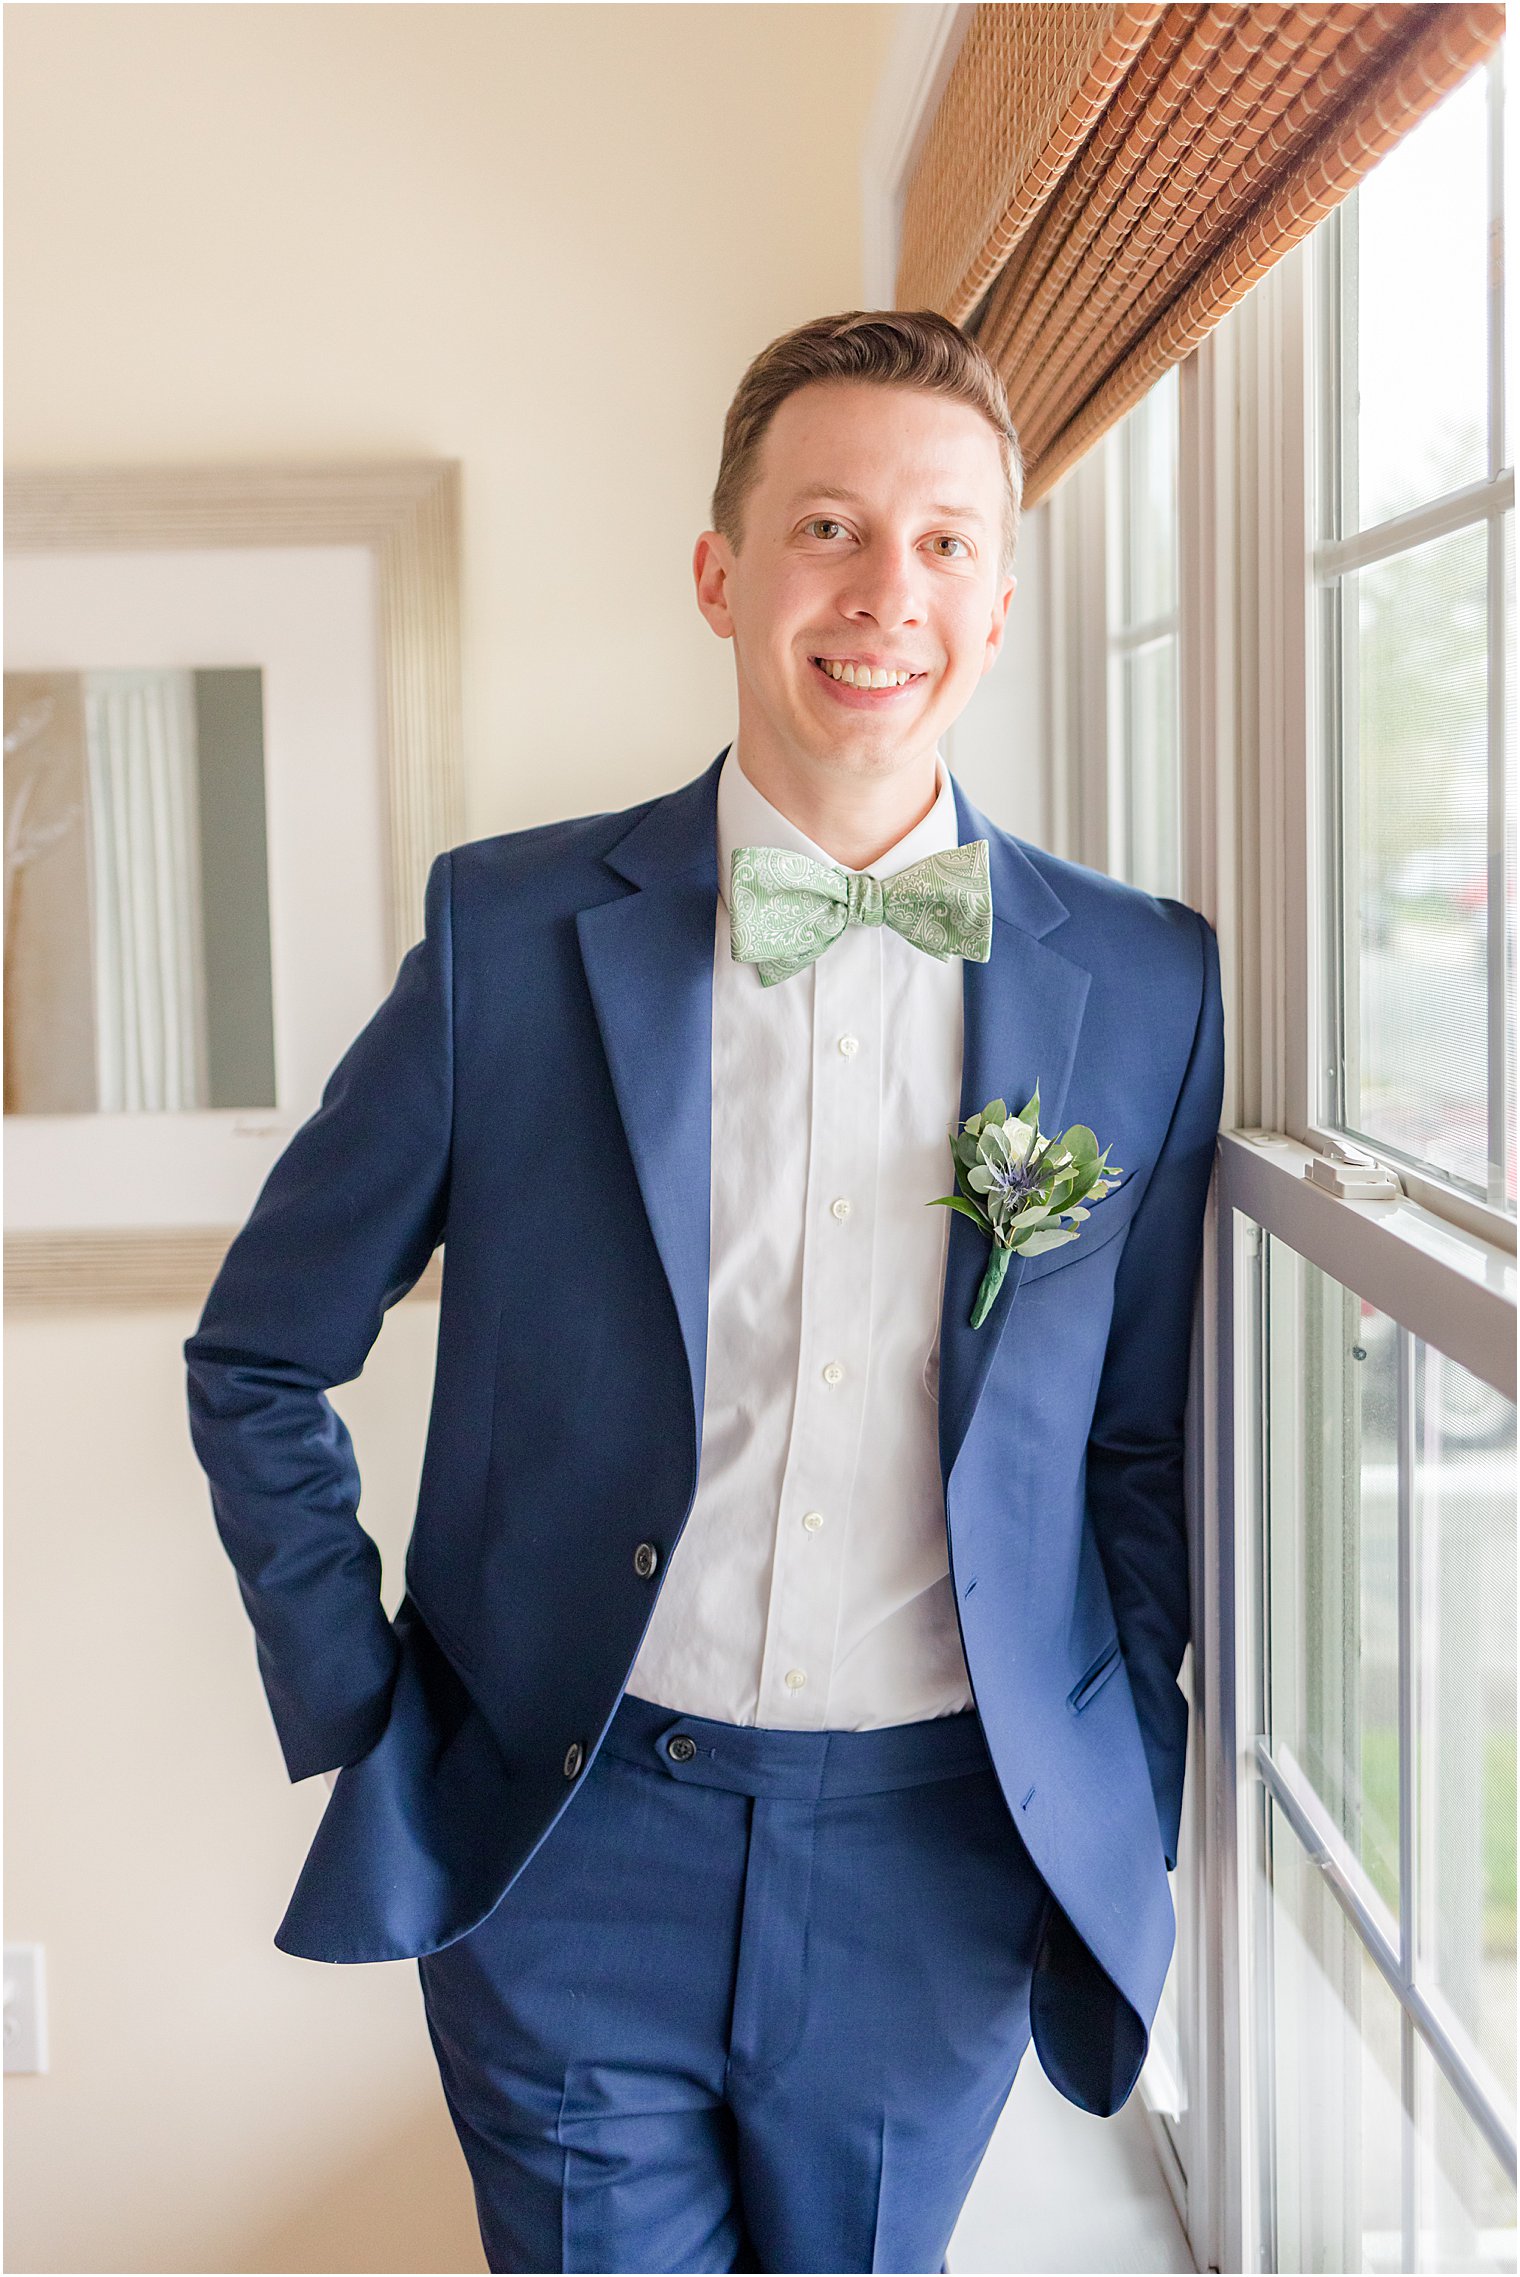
x=1336 y=2101
x=1144 y=842
x=1465 y=2200
x=1357 y=2183
x=1464 y=1511
x=1332 y=1553
x=1422 y=311
x=1149 y=550
x=1417 y=752
x=1148 y=685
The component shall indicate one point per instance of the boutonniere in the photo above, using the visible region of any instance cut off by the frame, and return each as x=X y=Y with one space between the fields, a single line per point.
x=1017 y=1188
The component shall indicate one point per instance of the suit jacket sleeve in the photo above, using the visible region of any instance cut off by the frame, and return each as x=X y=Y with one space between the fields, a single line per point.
x=346 y=1221
x=1135 y=1450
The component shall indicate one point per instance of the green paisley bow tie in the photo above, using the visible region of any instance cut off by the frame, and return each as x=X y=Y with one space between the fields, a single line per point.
x=785 y=908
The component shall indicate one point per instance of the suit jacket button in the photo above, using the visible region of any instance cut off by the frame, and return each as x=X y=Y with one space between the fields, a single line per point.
x=681 y=1748
x=646 y=1559
x=575 y=1756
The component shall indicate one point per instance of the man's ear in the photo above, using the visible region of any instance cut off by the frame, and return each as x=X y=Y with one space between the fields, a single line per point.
x=999 y=623
x=711 y=563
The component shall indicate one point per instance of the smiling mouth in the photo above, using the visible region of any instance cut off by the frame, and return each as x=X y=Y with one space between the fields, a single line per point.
x=845 y=672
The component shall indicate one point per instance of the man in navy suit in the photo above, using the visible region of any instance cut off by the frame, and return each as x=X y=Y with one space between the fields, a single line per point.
x=780 y=1725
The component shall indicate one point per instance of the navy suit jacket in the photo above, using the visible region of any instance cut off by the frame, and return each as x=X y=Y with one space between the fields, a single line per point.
x=535 y=1093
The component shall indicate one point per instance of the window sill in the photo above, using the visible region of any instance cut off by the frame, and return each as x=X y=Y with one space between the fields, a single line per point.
x=1447 y=1284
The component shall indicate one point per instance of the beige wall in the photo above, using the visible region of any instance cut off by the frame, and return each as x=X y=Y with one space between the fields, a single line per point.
x=543 y=240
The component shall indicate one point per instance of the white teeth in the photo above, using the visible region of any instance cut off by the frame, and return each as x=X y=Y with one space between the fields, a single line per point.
x=862 y=676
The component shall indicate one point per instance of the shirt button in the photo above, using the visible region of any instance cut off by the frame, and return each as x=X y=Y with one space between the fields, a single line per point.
x=795 y=1679
x=841 y=1208
x=813 y=1520
x=646 y=1559
x=833 y=1373
x=681 y=1749
x=849 y=1045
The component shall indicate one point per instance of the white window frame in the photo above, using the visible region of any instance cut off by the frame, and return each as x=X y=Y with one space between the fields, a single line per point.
x=1440 y=1265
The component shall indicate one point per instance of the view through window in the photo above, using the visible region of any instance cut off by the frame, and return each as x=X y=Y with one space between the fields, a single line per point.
x=1385 y=1583
x=1416 y=587
x=1144 y=801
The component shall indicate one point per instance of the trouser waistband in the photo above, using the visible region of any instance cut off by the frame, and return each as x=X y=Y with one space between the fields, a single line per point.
x=802 y=1766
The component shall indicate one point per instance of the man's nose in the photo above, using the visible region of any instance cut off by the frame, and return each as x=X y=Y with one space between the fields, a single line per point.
x=887 y=586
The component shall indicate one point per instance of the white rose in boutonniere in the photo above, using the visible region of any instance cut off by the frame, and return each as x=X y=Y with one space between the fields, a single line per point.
x=1017 y=1187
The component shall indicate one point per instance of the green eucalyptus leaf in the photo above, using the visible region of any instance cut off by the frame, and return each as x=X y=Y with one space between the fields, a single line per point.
x=966 y=1209
x=1039 y=1242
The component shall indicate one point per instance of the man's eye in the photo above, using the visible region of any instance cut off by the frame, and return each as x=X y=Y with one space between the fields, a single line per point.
x=948 y=538
x=822 y=522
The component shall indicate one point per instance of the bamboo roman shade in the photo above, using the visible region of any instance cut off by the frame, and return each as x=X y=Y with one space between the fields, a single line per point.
x=1100 y=185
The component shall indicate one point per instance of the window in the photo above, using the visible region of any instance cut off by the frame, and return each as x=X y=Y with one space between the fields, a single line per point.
x=1345 y=432
x=1114 y=529
x=1385 y=1606
x=1144 y=790
x=1376 y=1525
x=1414 y=584
x=1295 y=711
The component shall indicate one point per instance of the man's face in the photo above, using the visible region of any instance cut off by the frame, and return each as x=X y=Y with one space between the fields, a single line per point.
x=871 y=538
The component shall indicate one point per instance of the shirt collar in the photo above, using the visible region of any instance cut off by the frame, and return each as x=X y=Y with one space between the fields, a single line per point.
x=747 y=818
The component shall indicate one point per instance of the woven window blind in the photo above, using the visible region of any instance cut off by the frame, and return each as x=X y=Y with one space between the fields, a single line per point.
x=1101 y=184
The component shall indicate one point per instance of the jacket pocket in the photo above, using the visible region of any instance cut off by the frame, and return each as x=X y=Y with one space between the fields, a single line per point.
x=1108 y=1220
x=1093 y=1681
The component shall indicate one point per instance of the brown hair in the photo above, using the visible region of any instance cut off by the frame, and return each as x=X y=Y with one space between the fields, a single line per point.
x=888 y=347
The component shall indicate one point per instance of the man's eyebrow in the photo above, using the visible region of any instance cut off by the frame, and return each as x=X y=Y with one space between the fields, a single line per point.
x=853 y=498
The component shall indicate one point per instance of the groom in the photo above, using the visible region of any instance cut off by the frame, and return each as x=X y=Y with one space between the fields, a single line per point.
x=780 y=1722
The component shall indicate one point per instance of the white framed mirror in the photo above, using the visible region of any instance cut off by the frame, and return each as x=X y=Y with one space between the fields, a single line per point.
x=232 y=707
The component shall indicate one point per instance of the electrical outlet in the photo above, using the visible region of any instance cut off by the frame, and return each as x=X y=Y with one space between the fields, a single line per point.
x=25 y=2009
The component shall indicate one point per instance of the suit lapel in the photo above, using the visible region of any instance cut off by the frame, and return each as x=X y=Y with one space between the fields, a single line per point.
x=1023 y=1015
x=648 y=961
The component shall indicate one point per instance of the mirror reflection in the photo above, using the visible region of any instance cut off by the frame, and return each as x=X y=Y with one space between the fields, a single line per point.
x=137 y=961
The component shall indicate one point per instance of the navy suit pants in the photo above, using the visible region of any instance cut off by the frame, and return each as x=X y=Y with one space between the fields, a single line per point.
x=755 y=2002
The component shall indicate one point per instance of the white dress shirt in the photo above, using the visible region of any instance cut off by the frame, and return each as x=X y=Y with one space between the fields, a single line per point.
x=810 y=1589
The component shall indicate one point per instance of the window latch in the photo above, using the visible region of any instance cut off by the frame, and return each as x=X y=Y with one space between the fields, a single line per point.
x=1352 y=1173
